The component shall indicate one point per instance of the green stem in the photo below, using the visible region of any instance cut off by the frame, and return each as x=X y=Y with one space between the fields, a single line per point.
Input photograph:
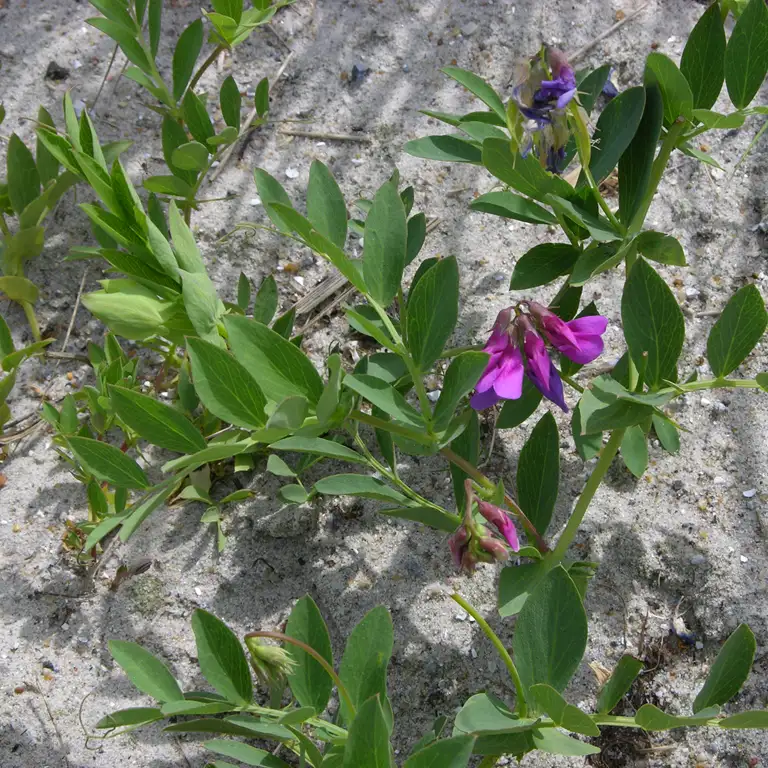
x=456 y=351
x=389 y=426
x=4 y=227
x=483 y=481
x=29 y=311
x=404 y=487
x=203 y=67
x=610 y=449
x=570 y=382
x=657 y=171
x=695 y=386
x=318 y=658
x=600 y=199
x=521 y=706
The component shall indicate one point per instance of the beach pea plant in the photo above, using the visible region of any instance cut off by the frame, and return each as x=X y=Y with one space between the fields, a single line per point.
x=340 y=715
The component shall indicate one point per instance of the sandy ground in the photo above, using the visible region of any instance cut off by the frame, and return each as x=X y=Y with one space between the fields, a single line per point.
x=682 y=540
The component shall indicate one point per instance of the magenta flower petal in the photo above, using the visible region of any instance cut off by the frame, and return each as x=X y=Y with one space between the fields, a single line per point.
x=482 y=400
x=542 y=372
x=509 y=382
x=500 y=520
x=580 y=339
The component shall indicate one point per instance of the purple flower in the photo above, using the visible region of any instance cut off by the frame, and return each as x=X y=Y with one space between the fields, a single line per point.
x=560 y=90
x=503 y=376
x=540 y=369
x=500 y=520
x=458 y=543
x=579 y=340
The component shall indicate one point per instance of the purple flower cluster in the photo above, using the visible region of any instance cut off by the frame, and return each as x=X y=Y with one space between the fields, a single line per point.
x=542 y=94
x=517 y=348
x=473 y=543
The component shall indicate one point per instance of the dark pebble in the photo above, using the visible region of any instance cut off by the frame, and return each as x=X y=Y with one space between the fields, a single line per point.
x=56 y=72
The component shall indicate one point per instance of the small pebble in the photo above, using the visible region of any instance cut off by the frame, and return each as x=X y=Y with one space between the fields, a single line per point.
x=744 y=559
x=698 y=560
x=748 y=494
x=434 y=395
x=460 y=616
x=692 y=293
x=469 y=29
x=705 y=402
x=357 y=161
x=473 y=653
x=720 y=481
x=198 y=591
x=699 y=645
x=254 y=201
x=406 y=68
x=291 y=173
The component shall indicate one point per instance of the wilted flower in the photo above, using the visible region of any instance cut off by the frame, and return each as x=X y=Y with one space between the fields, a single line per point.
x=517 y=347
x=542 y=94
x=271 y=663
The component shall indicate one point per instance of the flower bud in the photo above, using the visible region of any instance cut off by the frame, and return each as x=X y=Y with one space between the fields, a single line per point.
x=500 y=520
x=494 y=548
x=271 y=663
x=457 y=543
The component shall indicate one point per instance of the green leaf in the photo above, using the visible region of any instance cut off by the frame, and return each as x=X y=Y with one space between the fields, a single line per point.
x=202 y=305
x=485 y=714
x=524 y=174
x=221 y=658
x=651 y=718
x=538 y=473
x=145 y=671
x=6 y=341
x=515 y=412
x=289 y=414
x=184 y=57
x=362 y=486
x=551 y=632
x=676 y=94
x=618 y=683
x=108 y=463
x=224 y=385
x=132 y=717
x=19 y=289
x=542 y=264
x=428 y=516
x=244 y=292
x=366 y=656
x=196 y=117
x=717 y=121
x=556 y=743
x=154 y=19
x=730 y=670
x=427 y=331
x=592 y=86
x=634 y=450
x=447 y=149
x=367 y=744
x=478 y=87
x=746 y=56
x=444 y=753
x=126 y=39
x=280 y=367
x=516 y=584
x=138 y=515
x=750 y=719
x=233 y=726
x=463 y=373
x=320 y=446
x=173 y=136
x=667 y=433
x=310 y=683
x=616 y=127
x=417 y=233
x=261 y=97
x=187 y=253
x=385 y=397
x=512 y=206
x=47 y=164
x=598 y=227
x=703 y=60
x=229 y=99
x=231 y=8
x=237 y=750
x=23 y=176
x=653 y=324
x=661 y=248
x=265 y=303
x=384 y=245
x=293 y=493
x=564 y=714
x=737 y=331
x=326 y=208
x=156 y=422
x=192 y=156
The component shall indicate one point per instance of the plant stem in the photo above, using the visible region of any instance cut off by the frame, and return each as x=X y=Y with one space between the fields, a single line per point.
x=317 y=657
x=720 y=384
x=600 y=199
x=388 y=426
x=570 y=382
x=456 y=351
x=657 y=171
x=29 y=311
x=204 y=66
x=4 y=227
x=521 y=706
x=610 y=449
x=404 y=487
x=482 y=480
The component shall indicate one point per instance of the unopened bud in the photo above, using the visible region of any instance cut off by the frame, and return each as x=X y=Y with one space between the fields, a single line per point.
x=494 y=548
x=457 y=543
x=271 y=663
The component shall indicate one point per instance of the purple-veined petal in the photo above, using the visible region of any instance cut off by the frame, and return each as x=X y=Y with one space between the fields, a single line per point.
x=509 y=382
x=482 y=400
